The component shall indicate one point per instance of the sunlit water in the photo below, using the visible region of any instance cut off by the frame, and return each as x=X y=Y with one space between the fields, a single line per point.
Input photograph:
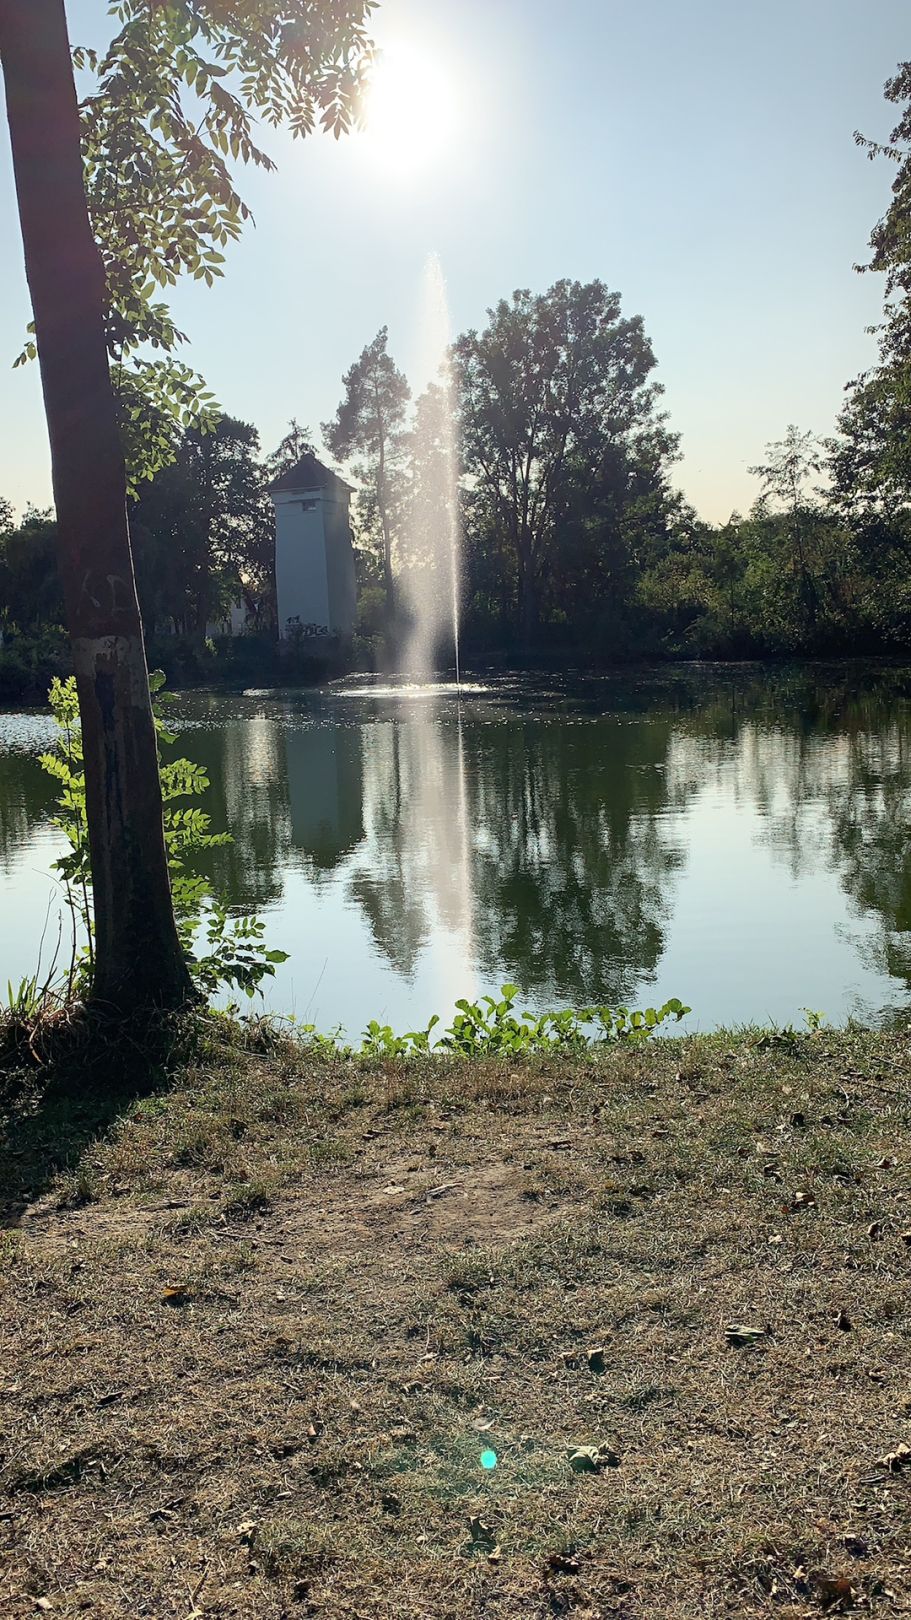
x=737 y=839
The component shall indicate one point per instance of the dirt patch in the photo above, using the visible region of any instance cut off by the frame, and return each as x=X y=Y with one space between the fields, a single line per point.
x=625 y=1339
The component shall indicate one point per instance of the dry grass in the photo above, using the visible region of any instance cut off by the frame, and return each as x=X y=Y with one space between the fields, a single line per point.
x=257 y=1329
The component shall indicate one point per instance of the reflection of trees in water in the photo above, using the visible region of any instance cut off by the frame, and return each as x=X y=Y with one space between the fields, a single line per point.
x=26 y=799
x=535 y=841
x=541 y=836
x=832 y=780
x=869 y=827
x=573 y=866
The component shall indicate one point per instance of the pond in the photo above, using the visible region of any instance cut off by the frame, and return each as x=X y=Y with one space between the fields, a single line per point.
x=736 y=837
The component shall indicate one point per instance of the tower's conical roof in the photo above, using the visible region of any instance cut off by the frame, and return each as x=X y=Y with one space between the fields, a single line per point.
x=307 y=474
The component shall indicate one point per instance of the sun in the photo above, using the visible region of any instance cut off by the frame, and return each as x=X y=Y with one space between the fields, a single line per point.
x=409 y=112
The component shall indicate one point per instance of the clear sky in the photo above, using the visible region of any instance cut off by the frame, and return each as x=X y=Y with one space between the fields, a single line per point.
x=696 y=156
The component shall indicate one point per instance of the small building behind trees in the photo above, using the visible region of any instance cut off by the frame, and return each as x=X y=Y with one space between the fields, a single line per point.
x=315 y=586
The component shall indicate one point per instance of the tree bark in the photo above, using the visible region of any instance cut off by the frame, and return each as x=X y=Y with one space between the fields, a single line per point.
x=138 y=959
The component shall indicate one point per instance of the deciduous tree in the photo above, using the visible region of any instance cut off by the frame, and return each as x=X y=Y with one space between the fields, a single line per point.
x=553 y=380
x=368 y=430
x=162 y=202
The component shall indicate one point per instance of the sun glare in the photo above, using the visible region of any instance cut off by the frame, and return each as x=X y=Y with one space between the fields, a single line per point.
x=410 y=111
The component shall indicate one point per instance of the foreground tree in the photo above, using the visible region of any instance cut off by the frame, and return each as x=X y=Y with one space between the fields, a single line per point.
x=138 y=955
x=368 y=430
x=553 y=381
x=162 y=202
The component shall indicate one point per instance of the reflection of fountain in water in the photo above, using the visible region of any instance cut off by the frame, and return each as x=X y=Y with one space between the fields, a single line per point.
x=416 y=881
x=432 y=535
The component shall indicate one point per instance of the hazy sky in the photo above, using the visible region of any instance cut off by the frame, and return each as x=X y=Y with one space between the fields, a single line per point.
x=696 y=156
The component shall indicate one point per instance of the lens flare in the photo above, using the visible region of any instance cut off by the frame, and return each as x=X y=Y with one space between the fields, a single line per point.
x=409 y=115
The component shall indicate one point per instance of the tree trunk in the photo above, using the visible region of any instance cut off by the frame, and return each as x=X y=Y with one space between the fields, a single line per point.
x=138 y=959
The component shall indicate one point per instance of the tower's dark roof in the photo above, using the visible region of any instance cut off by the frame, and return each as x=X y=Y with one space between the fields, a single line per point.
x=307 y=474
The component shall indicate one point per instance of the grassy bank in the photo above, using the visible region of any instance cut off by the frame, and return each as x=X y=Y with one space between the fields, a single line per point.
x=257 y=1328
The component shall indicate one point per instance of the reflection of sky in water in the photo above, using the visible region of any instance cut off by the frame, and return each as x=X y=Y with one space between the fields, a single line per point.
x=407 y=853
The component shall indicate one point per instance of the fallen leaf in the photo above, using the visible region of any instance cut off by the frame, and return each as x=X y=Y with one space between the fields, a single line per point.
x=596 y=1359
x=803 y=1200
x=591 y=1459
x=482 y=1534
x=875 y=1230
x=738 y=1333
x=43 y=1603
x=896 y=1460
x=494 y=1556
x=906 y=1238
x=562 y=1563
x=833 y=1589
x=844 y=1322
x=393 y=1189
x=176 y=1294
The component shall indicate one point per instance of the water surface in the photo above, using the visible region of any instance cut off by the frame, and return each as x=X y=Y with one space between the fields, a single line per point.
x=736 y=838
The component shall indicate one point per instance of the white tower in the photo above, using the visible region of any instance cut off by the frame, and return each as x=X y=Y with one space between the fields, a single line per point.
x=314 y=558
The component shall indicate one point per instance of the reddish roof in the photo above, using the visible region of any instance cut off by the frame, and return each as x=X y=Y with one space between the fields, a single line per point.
x=307 y=474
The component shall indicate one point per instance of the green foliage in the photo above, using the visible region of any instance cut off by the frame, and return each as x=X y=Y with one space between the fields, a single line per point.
x=25 y=1000
x=30 y=594
x=169 y=110
x=491 y=1027
x=30 y=660
x=368 y=431
x=871 y=458
x=221 y=949
x=548 y=393
x=202 y=532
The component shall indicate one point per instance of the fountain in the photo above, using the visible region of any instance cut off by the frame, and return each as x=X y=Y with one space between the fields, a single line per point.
x=431 y=546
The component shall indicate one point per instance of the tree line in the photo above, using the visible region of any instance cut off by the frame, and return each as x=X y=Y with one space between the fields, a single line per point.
x=576 y=542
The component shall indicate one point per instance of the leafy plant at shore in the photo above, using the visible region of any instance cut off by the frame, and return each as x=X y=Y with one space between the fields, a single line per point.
x=491 y=1027
x=220 y=949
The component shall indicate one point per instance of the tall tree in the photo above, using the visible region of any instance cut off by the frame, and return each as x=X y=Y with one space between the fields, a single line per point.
x=162 y=203
x=138 y=956
x=203 y=529
x=872 y=456
x=368 y=430
x=297 y=442
x=786 y=489
x=554 y=378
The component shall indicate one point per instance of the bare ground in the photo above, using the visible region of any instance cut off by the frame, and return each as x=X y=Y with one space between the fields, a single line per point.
x=258 y=1327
